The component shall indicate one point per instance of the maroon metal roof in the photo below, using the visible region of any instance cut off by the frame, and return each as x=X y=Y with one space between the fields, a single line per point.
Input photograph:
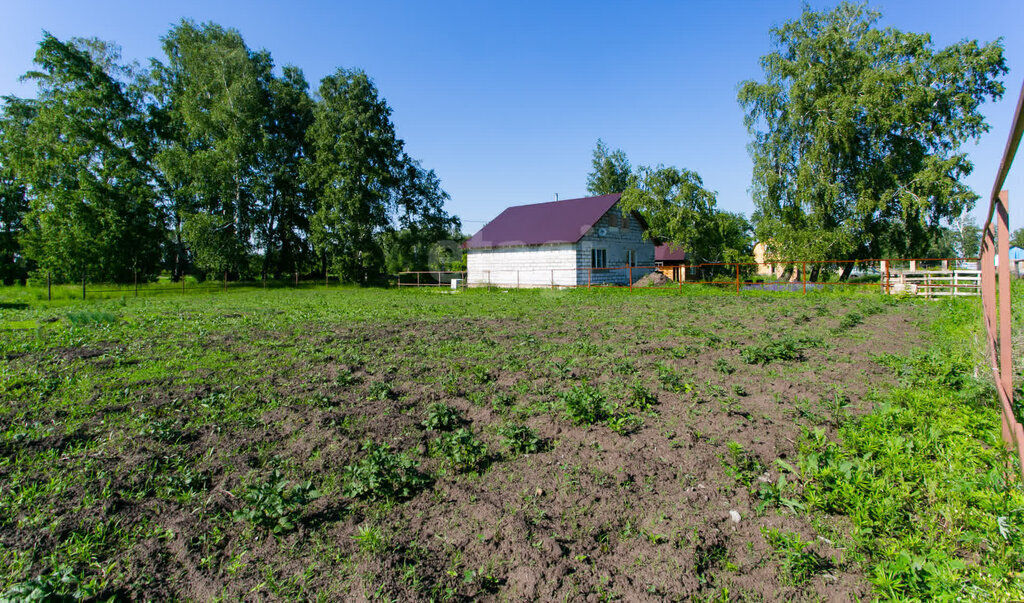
x=541 y=223
x=669 y=253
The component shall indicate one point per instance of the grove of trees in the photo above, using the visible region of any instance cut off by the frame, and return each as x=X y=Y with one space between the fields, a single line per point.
x=209 y=161
x=856 y=137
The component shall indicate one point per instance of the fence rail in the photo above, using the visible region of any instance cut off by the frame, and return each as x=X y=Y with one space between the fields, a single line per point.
x=928 y=277
x=995 y=288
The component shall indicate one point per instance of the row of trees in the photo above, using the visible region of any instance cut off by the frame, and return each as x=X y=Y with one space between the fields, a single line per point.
x=856 y=137
x=209 y=160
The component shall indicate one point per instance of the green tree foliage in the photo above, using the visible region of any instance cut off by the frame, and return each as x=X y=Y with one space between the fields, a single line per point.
x=213 y=160
x=371 y=195
x=283 y=230
x=612 y=172
x=1017 y=238
x=219 y=101
x=679 y=210
x=14 y=120
x=84 y=165
x=353 y=171
x=856 y=134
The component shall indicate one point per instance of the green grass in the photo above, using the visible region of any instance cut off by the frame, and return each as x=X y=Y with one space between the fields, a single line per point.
x=935 y=500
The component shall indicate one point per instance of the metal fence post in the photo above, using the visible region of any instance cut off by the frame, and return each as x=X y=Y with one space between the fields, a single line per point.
x=629 y=275
x=1005 y=353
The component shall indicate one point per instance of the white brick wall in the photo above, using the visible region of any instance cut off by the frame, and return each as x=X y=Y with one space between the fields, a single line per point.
x=527 y=266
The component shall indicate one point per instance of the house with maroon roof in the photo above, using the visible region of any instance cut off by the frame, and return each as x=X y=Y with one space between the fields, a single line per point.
x=561 y=244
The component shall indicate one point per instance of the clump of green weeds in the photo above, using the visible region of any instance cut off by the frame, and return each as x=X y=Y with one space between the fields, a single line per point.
x=742 y=465
x=723 y=366
x=381 y=390
x=848 y=321
x=799 y=563
x=63 y=584
x=81 y=318
x=584 y=405
x=275 y=505
x=383 y=475
x=786 y=347
x=462 y=450
x=371 y=539
x=641 y=398
x=441 y=417
x=671 y=380
x=520 y=439
x=623 y=422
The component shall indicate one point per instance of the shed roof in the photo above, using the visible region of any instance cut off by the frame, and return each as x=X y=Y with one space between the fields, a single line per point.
x=668 y=252
x=544 y=223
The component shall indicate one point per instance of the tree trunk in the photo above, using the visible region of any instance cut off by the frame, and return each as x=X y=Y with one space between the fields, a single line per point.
x=847 y=269
x=813 y=278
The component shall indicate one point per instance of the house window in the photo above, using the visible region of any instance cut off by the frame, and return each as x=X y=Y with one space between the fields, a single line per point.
x=631 y=257
x=613 y=219
x=625 y=221
x=598 y=258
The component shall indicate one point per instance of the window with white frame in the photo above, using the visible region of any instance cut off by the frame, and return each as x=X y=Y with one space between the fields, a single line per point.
x=598 y=258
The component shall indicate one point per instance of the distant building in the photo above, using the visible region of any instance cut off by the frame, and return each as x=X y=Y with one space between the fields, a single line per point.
x=561 y=244
x=671 y=261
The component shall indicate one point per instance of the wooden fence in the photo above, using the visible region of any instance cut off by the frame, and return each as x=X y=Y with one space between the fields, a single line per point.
x=995 y=289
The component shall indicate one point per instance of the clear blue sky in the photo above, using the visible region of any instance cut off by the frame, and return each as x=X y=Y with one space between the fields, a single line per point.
x=506 y=100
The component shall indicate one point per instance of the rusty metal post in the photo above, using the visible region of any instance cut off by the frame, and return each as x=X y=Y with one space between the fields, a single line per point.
x=804 y=270
x=417 y=279
x=1005 y=353
x=629 y=275
x=590 y=276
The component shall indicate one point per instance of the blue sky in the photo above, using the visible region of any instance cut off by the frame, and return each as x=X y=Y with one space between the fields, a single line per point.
x=506 y=100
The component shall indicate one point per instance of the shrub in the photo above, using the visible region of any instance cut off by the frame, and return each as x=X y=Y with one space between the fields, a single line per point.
x=274 y=505
x=441 y=417
x=520 y=439
x=383 y=475
x=584 y=405
x=460 y=449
